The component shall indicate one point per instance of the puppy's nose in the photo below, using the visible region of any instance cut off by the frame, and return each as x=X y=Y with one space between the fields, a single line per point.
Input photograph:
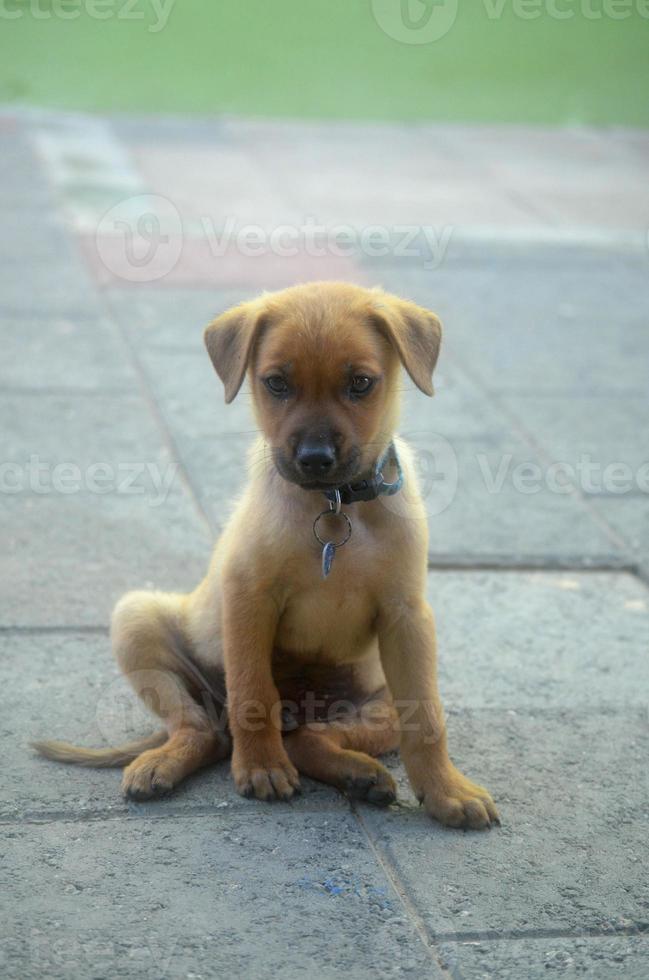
x=315 y=459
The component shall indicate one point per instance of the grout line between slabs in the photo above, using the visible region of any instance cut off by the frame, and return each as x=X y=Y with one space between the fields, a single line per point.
x=60 y=391
x=148 y=389
x=401 y=892
x=152 y=812
x=432 y=939
x=524 y=935
x=100 y=630
x=149 y=394
x=101 y=297
x=495 y=563
x=535 y=443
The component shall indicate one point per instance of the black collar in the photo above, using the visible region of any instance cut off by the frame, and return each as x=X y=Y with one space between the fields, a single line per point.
x=372 y=486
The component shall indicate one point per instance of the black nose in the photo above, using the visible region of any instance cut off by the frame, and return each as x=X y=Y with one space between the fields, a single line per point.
x=315 y=459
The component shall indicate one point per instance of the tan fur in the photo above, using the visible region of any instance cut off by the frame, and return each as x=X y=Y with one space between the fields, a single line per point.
x=263 y=615
x=100 y=758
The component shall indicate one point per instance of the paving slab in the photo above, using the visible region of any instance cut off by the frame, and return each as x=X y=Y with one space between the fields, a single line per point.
x=573 y=792
x=68 y=558
x=34 y=236
x=23 y=183
x=535 y=179
x=544 y=157
x=190 y=395
x=204 y=897
x=569 y=861
x=532 y=319
x=103 y=442
x=246 y=188
x=56 y=287
x=595 y=957
x=527 y=640
x=498 y=501
x=319 y=171
x=629 y=517
x=601 y=441
x=65 y=352
x=171 y=317
x=56 y=683
x=211 y=439
x=551 y=352
x=460 y=410
x=217 y=466
x=605 y=211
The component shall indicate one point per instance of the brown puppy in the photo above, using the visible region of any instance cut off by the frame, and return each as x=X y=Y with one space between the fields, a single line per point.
x=322 y=674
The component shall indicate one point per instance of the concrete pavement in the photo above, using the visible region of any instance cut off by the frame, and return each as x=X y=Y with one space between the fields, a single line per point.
x=122 y=239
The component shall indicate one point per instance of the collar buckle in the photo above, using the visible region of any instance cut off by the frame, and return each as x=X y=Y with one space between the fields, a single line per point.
x=371 y=487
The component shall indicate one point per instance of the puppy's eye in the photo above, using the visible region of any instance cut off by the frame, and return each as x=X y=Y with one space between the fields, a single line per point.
x=360 y=385
x=276 y=385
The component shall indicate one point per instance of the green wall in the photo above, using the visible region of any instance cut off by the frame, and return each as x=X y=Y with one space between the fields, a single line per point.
x=330 y=58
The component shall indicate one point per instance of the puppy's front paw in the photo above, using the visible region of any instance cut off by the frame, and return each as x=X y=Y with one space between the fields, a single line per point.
x=266 y=778
x=152 y=774
x=455 y=801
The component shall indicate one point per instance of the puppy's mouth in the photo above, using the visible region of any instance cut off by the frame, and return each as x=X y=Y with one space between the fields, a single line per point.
x=317 y=484
x=346 y=472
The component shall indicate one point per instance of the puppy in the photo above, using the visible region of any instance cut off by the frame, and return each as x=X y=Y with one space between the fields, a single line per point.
x=312 y=623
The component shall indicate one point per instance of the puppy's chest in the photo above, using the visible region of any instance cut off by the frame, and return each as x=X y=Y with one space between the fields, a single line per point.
x=331 y=617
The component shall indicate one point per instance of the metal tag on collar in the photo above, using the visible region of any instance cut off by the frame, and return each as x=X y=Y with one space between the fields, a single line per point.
x=329 y=547
x=328 y=555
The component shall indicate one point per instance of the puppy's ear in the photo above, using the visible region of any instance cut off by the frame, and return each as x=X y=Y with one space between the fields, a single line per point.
x=229 y=340
x=414 y=332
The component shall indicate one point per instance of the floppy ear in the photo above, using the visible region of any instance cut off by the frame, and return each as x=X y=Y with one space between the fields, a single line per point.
x=229 y=340
x=414 y=332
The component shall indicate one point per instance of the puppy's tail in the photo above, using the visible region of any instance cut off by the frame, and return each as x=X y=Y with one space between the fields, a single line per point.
x=99 y=758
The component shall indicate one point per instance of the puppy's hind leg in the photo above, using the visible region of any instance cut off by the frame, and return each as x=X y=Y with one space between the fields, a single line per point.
x=342 y=753
x=153 y=650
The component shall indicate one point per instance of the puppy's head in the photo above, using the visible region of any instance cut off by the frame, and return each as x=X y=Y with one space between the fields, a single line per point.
x=323 y=361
